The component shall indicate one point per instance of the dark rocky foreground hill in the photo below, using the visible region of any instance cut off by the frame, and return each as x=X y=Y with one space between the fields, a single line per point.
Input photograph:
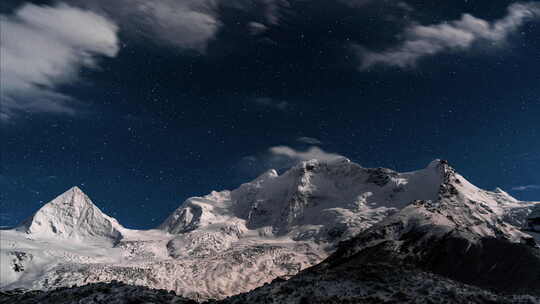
x=368 y=283
x=372 y=283
x=114 y=293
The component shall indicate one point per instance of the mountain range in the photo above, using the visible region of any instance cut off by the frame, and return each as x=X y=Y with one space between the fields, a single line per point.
x=321 y=232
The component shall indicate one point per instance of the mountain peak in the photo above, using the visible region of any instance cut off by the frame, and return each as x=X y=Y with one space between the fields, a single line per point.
x=72 y=196
x=71 y=215
x=76 y=189
x=439 y=164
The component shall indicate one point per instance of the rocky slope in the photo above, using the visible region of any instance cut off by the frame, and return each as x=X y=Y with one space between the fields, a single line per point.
x=372 y=282
x=111 y=293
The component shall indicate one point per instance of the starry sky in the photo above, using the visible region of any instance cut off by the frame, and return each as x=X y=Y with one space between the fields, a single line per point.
x=143 y=104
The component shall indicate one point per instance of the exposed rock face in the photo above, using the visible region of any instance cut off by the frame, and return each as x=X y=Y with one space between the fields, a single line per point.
x=533 y=220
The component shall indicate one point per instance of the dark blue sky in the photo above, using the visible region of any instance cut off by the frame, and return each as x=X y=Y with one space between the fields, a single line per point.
x=183 y=108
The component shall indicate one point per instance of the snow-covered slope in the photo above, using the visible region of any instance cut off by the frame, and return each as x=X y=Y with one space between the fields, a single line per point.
x=230 y=242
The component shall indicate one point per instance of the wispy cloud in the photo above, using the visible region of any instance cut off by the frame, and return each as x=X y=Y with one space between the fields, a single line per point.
x=309 y=140
x=272 y=103
x=526 y=188
x=421 y=41
x=296 y=156
x=44 y=47
x=187 y=24
x=281 y=158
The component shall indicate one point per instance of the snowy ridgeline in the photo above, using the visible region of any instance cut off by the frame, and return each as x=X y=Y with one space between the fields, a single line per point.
x=231 y=242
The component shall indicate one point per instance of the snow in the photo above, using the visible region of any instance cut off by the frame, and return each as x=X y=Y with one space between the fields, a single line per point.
x=310 y=199
x=71 y=215
x=229 y=242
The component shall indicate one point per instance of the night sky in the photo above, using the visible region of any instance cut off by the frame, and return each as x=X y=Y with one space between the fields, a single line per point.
x=143 y=104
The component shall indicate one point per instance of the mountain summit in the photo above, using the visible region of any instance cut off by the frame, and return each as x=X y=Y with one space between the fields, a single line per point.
x=71 y=215
x=323 y=200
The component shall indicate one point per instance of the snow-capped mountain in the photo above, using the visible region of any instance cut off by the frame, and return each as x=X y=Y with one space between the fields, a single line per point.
x=312 y=201
x=455 y=249
x=231 y=242
x=71 y=215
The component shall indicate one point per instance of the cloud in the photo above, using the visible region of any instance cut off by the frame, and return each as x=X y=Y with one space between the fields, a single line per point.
x=256 y=28
x=296 y=156
x=44 y=47
x=272 y=103
x=187 y=24
x=282 y=158
x=526 y=188
x=309 y=140
x=421 y=41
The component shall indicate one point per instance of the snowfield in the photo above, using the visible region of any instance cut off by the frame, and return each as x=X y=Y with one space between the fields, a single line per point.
x=231 y=242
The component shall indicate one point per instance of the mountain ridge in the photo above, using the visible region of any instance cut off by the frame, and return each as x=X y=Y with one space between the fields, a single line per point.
x=230 y=242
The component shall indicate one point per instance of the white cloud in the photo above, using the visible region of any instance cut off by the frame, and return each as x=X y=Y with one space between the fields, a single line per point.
x=187 y=24
x=309 y=140
x=44 y=47
x=298 y=156
x=421 y=41
x=526 y=188
x=282 y=158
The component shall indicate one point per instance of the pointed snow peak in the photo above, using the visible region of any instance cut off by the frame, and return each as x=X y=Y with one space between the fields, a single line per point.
x=439 y=164
x=76 y=190
x=434 y=163
x=73 y=197
x=73 y=192
x=267 y=175
x=442 y=167
x=71 y=215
